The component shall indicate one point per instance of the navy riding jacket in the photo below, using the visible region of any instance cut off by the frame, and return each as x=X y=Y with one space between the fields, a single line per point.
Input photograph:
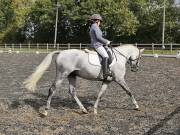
x=96 y=36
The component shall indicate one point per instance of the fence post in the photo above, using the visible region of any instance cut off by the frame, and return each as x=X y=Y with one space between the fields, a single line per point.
x=12 y=47
x=58 y=46
x=136 y=44
x=20 y=46
x=5 y=46
x=80 y=46
x=29 y=47
x=171 y=47
x=69 y=46
x=47 y=47
x=37 y=46
x=153 y=48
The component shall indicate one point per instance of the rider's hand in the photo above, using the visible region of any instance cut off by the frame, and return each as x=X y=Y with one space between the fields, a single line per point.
x=108 y=42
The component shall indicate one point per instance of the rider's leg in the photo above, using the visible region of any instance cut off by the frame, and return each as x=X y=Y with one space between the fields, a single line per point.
x=102 y=51
x=109 y=54
x=106 y=72
x=105 y=66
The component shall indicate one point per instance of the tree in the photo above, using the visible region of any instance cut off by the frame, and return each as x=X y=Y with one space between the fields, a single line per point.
x=118 y=19
x=6 y=16
x=40 y=22
x=127 y=21
x=150 y=16
x=16 y=12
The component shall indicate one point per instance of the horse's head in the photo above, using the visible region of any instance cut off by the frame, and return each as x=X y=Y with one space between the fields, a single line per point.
x=134 y=59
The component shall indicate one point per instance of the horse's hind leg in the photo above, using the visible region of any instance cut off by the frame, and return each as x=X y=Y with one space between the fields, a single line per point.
x=72 y=91
x=56 y=84
x=123 y=84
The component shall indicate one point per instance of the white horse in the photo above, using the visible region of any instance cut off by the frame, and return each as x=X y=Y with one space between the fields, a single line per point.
x=72 y=63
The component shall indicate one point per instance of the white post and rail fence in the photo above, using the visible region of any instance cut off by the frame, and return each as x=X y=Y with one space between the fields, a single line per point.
x=170 y=50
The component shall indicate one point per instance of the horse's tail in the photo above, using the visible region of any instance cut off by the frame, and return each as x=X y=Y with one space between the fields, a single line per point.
x=31 y=81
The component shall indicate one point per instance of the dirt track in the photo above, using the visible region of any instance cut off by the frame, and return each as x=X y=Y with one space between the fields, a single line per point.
x=156 y=88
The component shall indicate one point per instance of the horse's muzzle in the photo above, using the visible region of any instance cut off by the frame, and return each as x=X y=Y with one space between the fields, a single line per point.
x=134 y=69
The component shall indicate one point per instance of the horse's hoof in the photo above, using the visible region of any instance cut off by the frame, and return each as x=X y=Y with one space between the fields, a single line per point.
x=109 y=78
x=95 y=112
x=84 y=111
x=137 y=109
x=44 y=113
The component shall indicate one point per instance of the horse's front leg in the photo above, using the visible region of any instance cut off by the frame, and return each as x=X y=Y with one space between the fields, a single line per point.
x=103 y=88
x=123 y=84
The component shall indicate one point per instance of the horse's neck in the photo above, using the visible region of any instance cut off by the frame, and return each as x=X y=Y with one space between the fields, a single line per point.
x=124 y=53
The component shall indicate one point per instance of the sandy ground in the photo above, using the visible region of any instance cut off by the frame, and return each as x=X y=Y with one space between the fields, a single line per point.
x=156 y=87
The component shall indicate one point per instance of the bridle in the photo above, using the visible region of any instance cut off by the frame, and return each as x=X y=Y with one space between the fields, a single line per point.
x=137 y=59
x=130 y=60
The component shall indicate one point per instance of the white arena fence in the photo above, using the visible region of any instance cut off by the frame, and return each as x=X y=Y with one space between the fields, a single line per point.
x=170 y=50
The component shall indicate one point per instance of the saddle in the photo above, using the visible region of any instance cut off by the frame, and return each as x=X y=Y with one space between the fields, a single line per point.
x=95 y=59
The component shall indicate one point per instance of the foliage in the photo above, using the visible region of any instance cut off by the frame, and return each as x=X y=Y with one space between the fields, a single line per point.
x=40 y=22
x=6 y=13
x=127 y=21
x=118 y=20
x=150 y=16
x=12 y=30
x=6 y=16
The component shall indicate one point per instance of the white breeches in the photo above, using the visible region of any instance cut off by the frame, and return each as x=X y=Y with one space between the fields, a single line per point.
x=101 y=50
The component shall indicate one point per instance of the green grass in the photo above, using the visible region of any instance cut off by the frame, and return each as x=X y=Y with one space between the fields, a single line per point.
x=166 y=52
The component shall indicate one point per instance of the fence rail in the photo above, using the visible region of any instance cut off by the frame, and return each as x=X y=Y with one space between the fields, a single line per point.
x=169 y=49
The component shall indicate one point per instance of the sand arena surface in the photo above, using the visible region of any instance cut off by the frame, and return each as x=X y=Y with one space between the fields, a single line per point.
x=156 y=87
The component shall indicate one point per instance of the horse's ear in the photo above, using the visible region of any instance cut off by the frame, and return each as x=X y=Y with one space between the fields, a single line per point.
x=142 y=50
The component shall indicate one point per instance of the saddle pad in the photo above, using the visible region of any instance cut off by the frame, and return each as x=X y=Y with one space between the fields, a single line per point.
x=94 y=59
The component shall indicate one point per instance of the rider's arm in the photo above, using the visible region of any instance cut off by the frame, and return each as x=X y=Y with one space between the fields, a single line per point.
x=98 y=35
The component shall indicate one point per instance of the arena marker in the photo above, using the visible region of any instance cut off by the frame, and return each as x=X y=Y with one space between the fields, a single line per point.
x=37 y=52
x=10 y=51
x=178 y=55
x=156 y=56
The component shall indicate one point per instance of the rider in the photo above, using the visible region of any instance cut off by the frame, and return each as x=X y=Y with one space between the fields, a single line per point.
x=99 y=43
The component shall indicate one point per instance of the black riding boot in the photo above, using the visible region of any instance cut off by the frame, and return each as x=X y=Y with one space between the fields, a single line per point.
x=110 y=56
x=105 y=68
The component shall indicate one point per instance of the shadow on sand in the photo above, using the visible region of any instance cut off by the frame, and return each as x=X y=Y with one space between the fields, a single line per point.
x=56 y=102
x=163 y=122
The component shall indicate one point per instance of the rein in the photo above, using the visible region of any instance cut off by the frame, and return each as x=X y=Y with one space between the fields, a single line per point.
x=121 y=54
x=128 y=60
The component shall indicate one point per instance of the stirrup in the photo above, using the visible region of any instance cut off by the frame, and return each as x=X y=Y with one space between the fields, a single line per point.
x=108 y=76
